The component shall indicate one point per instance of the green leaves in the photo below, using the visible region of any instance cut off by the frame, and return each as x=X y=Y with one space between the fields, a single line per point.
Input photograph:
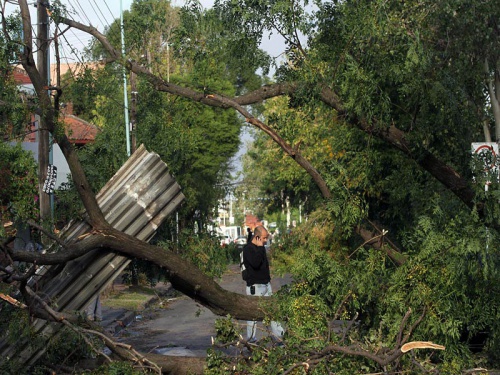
x=18 y=183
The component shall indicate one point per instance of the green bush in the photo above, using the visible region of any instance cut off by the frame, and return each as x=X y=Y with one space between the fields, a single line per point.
x=18 y=184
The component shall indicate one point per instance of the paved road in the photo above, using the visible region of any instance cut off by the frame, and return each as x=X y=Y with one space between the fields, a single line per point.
x=181 y=327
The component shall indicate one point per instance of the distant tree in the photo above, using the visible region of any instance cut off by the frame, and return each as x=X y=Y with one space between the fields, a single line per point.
x=15 y=121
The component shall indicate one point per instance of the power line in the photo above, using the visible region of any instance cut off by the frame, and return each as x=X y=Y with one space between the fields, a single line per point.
x=72 y=50
x=69 y=39
x=83 y=11
x=103 y=16
x=112 y=15
x=97 y=15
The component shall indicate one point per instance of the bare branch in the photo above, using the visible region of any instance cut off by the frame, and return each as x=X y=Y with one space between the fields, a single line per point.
x=129 y=354
x=413 y=326
x=402 y=325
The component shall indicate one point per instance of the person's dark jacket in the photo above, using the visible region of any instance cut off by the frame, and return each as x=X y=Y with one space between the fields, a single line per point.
x=256 y=263
x=249 y=235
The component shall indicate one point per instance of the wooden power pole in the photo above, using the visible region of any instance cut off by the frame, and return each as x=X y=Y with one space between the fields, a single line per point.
x=43 y=133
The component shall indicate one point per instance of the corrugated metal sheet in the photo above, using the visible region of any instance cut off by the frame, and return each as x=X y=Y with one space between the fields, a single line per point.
x=136 y=201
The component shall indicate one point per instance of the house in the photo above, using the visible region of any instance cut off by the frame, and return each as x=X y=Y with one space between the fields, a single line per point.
x=78 y=131
x=23 y=81
x=252 y=222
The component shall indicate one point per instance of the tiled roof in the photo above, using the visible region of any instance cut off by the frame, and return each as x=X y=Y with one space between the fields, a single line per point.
x=21 y=77
x=79 y=131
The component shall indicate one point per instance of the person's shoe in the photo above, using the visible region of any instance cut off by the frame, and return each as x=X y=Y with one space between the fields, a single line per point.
x=252 y=340
x=277 y=341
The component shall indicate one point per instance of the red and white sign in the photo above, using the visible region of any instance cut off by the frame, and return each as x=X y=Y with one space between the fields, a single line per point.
x=488 y=153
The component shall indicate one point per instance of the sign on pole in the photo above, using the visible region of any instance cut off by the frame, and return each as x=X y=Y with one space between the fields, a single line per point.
x=487 y=153
x=50 y=181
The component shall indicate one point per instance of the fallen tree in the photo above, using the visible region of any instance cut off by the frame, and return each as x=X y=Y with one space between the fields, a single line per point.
x=183 y=275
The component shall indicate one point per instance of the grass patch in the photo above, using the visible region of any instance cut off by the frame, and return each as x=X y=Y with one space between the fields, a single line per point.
x=131 y=298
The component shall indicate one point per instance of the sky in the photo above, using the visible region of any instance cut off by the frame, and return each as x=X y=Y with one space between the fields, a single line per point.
x=98 y=13
x=101 y=13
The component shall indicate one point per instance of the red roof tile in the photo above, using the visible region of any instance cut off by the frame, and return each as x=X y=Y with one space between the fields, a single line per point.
x=252 y=221
x=79 y=131
x=21 y=77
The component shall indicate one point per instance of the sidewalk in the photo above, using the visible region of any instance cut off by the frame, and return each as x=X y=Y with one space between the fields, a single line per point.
x=180 y=327
x=116 y=319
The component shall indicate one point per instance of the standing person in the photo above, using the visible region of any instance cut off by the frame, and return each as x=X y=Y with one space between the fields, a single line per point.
x=94 y=310
x=258 y=276
x=249 y=235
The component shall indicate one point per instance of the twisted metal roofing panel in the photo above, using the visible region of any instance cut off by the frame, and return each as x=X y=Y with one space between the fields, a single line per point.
x=135 y=200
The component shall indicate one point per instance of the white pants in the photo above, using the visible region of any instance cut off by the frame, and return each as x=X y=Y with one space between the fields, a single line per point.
x=94 y=310
x=276 y=328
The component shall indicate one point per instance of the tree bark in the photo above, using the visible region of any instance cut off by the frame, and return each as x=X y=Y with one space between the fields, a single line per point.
x=43 y=133
x=182 y=274
x=492 y=84
x=96 y=217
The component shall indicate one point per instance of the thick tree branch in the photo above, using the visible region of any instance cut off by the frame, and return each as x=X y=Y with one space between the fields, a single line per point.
x=72 y=251
x=183 y=276
x=397 y=138
x=188 y=280
x=373 y=240
x=392 y=135
x=213 y=100
x=492 y=81
x=290 y=151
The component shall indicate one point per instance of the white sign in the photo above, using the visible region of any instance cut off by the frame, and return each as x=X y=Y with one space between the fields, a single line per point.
x=488 y=153
x=50 y=181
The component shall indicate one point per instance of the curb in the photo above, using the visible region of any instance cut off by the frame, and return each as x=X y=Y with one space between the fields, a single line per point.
x=116 y=320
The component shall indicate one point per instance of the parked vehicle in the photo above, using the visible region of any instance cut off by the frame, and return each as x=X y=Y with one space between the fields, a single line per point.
x=225 y=240
x=240 y=241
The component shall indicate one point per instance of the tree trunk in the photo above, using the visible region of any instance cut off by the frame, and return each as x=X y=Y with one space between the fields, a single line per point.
x=493 y=83
x=43 y=133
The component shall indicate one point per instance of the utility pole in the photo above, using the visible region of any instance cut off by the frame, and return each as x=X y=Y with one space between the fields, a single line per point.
x=133 y=110
x=43 y=133
x=125 y=96
x=288 y=212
